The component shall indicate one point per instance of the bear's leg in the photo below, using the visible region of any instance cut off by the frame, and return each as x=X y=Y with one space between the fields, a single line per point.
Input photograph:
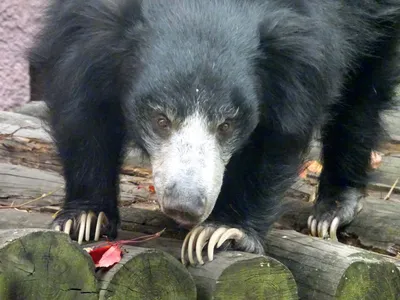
x=349 y=138
x=90 y=140
x=250 y=200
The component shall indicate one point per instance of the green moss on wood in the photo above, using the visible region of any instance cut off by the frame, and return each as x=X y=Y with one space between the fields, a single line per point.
x=258 y=278
x=147 y=274
x=46 y=265
x=369 y=280
x=236 y=275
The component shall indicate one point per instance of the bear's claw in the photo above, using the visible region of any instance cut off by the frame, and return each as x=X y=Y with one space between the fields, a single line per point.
x=320 y=229
x=329 y=215
x=214 y=236
x=83 y=228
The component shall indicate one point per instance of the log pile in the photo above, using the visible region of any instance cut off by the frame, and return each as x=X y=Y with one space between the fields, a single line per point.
x=36 y=263
x=42 y=264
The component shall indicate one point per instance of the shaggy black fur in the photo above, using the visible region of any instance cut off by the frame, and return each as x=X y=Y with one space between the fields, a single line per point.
x=305 y=63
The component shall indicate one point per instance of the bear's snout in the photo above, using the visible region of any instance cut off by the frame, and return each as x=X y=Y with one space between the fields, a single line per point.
x=185 y=205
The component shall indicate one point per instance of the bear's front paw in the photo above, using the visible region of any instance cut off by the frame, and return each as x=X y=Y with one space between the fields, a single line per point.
x=330 y=213
x=85 y=225
x=217 y=236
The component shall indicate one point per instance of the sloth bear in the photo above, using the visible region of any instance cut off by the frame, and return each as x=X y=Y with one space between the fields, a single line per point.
x=223 y=96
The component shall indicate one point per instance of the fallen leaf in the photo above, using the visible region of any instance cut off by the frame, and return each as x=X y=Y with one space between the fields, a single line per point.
x=311 y=166
x=110 y=257
x=108 y=254
x=98 y=252
x=105 y=256
x=152 y=189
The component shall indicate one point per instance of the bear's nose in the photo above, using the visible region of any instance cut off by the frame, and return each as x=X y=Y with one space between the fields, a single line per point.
x=186 y=207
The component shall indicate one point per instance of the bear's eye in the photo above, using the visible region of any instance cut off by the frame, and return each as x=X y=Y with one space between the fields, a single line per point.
x=224 y=127
x=163 y=122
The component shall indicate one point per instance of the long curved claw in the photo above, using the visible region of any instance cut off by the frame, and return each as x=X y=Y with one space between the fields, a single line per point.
x=213 y=241
x=183 y=249
x=310 y=218
x=333 y=230
x=324 y=230
x=314 y=227
x=202 y=241
x=82 y=226
x=193 y=237
x=102 y=217
x=319 y=229
x=68 y=226
x=91 y=215
x=231 y=234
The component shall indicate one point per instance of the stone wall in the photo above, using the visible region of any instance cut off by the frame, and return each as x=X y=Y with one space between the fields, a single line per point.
x=19 y=21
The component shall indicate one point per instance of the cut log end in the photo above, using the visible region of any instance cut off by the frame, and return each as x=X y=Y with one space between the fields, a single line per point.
x=147 y=274
x=365 y=279
x=234 y=275
x=39 y=264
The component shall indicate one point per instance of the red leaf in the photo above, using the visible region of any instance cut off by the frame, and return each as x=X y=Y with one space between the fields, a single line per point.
x=98 y=252
x=110 y=257
x=106 y=256
x=152 y=189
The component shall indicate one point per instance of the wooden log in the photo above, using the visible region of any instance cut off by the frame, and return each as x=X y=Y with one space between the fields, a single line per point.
x=238 y=275
x=330 y=270
x=19 y=184
x=37 y=109
x=25 y=140
x=19 y=219
x=146 y=273
x=392 y=123
x=376 y=227
x=42 y=264
x=232 y=275
x=388 y=172
x=320 y=267
x=37 y=264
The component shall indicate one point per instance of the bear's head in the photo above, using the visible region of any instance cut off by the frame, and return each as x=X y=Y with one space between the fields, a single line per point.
x=190 y=125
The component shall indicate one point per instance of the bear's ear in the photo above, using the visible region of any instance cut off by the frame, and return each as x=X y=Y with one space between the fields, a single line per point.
x=291 y=70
